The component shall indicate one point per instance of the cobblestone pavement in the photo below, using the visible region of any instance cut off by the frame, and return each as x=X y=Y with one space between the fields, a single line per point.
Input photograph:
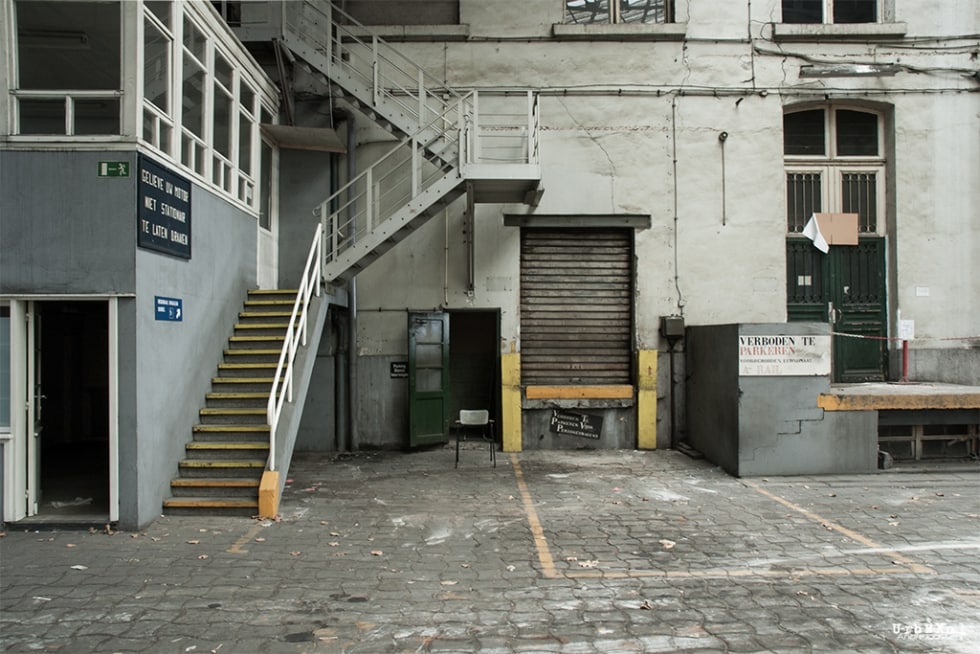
x=571 y=551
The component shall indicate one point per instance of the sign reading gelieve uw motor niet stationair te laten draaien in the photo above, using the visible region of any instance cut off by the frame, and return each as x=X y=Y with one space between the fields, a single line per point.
x=163 y=211
x=784 y=355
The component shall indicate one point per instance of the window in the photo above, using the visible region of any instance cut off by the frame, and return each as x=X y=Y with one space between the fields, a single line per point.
x=830 y=11
x=158 y=122
x=619 y=11
x=69 y=68
x=833 y=164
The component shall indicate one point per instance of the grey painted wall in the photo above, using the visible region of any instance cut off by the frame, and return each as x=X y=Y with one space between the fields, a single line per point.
x=382 y=403
x=759 y=425
x=304 y=182
x=63 y=228
x=67 y=231
x=176 y=360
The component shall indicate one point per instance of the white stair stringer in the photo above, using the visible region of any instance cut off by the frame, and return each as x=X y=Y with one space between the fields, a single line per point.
x=395 y=229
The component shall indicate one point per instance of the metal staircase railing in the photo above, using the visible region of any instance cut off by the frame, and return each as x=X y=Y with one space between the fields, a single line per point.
x=449 y=137
x=365 y=66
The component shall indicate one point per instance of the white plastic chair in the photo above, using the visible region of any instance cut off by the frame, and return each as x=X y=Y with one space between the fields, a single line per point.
x=471 y=420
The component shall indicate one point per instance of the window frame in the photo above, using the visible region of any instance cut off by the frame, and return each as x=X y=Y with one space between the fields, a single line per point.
x=832 y=167
x=827 y=11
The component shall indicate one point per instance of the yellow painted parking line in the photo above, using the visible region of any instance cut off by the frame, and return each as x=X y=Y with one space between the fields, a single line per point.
x=237 y=546
x=540 y=542
x=901 y=564
x=912 y=565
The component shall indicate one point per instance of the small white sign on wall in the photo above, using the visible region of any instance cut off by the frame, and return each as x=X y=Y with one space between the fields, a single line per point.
x=791 y=355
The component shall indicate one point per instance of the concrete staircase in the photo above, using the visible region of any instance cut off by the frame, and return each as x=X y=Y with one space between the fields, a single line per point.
x=230 y=447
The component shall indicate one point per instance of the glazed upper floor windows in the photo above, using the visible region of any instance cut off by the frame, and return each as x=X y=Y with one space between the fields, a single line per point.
x=831 y=11
x=619 y=11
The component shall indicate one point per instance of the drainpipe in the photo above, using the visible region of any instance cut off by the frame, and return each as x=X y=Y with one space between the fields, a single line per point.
x=349 y=439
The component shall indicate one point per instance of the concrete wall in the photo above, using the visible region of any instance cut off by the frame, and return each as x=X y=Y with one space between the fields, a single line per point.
x=63 y=229
x=175 y=361
x=632 y=126
x=769 y=425
x=67 y=231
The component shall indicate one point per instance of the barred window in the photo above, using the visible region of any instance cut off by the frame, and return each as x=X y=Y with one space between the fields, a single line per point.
x=833 y=164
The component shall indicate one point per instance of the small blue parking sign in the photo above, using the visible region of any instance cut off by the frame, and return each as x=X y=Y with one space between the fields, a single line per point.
x=169 y=308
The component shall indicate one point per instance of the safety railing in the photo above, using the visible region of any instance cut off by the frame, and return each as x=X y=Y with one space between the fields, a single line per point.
x=389 y=77
x=282 y=380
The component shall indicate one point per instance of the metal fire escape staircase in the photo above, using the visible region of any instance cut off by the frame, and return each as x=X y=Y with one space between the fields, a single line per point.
x=449 y=142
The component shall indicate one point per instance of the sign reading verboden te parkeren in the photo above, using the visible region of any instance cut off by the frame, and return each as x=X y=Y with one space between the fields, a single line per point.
x=163 y=211
x=783 y=355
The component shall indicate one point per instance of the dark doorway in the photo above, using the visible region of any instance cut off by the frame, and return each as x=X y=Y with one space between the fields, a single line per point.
x=474 y=362
x=72 y=367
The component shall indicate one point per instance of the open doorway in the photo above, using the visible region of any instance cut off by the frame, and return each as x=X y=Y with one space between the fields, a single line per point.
x=474 y=361
x=71 y=409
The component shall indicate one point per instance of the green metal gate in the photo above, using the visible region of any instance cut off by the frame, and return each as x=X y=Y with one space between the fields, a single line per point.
x=845 y=287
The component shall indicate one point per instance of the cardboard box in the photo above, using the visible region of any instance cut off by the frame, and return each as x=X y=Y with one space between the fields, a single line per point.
x=838 y=228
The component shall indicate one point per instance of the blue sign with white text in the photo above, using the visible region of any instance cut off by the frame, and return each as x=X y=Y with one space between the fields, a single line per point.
x=163 y=214
x=169 y=308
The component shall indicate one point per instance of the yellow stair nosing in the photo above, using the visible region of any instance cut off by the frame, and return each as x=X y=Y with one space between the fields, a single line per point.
x=221 y=463
x=230 y=428
x=224 y=445
x=256 y=395
x=205 y=482
x=233 y=411
x=246 y=352
x=262 y=325
x=246 y=366
x=191 y=502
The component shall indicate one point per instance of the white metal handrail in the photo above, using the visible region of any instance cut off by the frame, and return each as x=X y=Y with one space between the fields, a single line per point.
x=470 y=133
x=390 y=76
x=282 y=381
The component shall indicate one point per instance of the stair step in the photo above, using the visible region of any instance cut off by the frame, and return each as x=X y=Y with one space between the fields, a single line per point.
x=199 y=468
x=232 y=429
x=251 y=326
x=242 y=396
x=217 y=451
x=210 y=506
x=267 y=314
x=283 y=302
x=232 y=411
x=245 y=383
x=218 y=487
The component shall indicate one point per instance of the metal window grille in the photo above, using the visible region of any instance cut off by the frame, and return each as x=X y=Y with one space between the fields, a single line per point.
x=859 y=194
x=803 y=198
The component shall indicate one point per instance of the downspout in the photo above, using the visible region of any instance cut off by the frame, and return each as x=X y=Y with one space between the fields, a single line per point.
x=349 y=441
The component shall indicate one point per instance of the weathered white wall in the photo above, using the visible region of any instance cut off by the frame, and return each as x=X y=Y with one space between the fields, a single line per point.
x=617 y=114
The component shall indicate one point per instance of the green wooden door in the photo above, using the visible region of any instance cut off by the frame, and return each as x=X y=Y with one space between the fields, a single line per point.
x=845 y=287
x=428 y=378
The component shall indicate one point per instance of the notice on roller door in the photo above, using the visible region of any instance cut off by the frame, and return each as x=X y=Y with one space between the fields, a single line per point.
x=784 y=355
x=163 y=210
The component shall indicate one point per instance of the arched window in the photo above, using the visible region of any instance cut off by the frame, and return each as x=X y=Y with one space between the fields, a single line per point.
x=834 y=164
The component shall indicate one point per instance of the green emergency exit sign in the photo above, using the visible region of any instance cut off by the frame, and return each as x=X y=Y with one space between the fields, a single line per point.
x=113 y=169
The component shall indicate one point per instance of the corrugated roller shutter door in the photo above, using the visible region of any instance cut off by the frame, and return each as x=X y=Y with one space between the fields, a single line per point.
x=576 y=306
